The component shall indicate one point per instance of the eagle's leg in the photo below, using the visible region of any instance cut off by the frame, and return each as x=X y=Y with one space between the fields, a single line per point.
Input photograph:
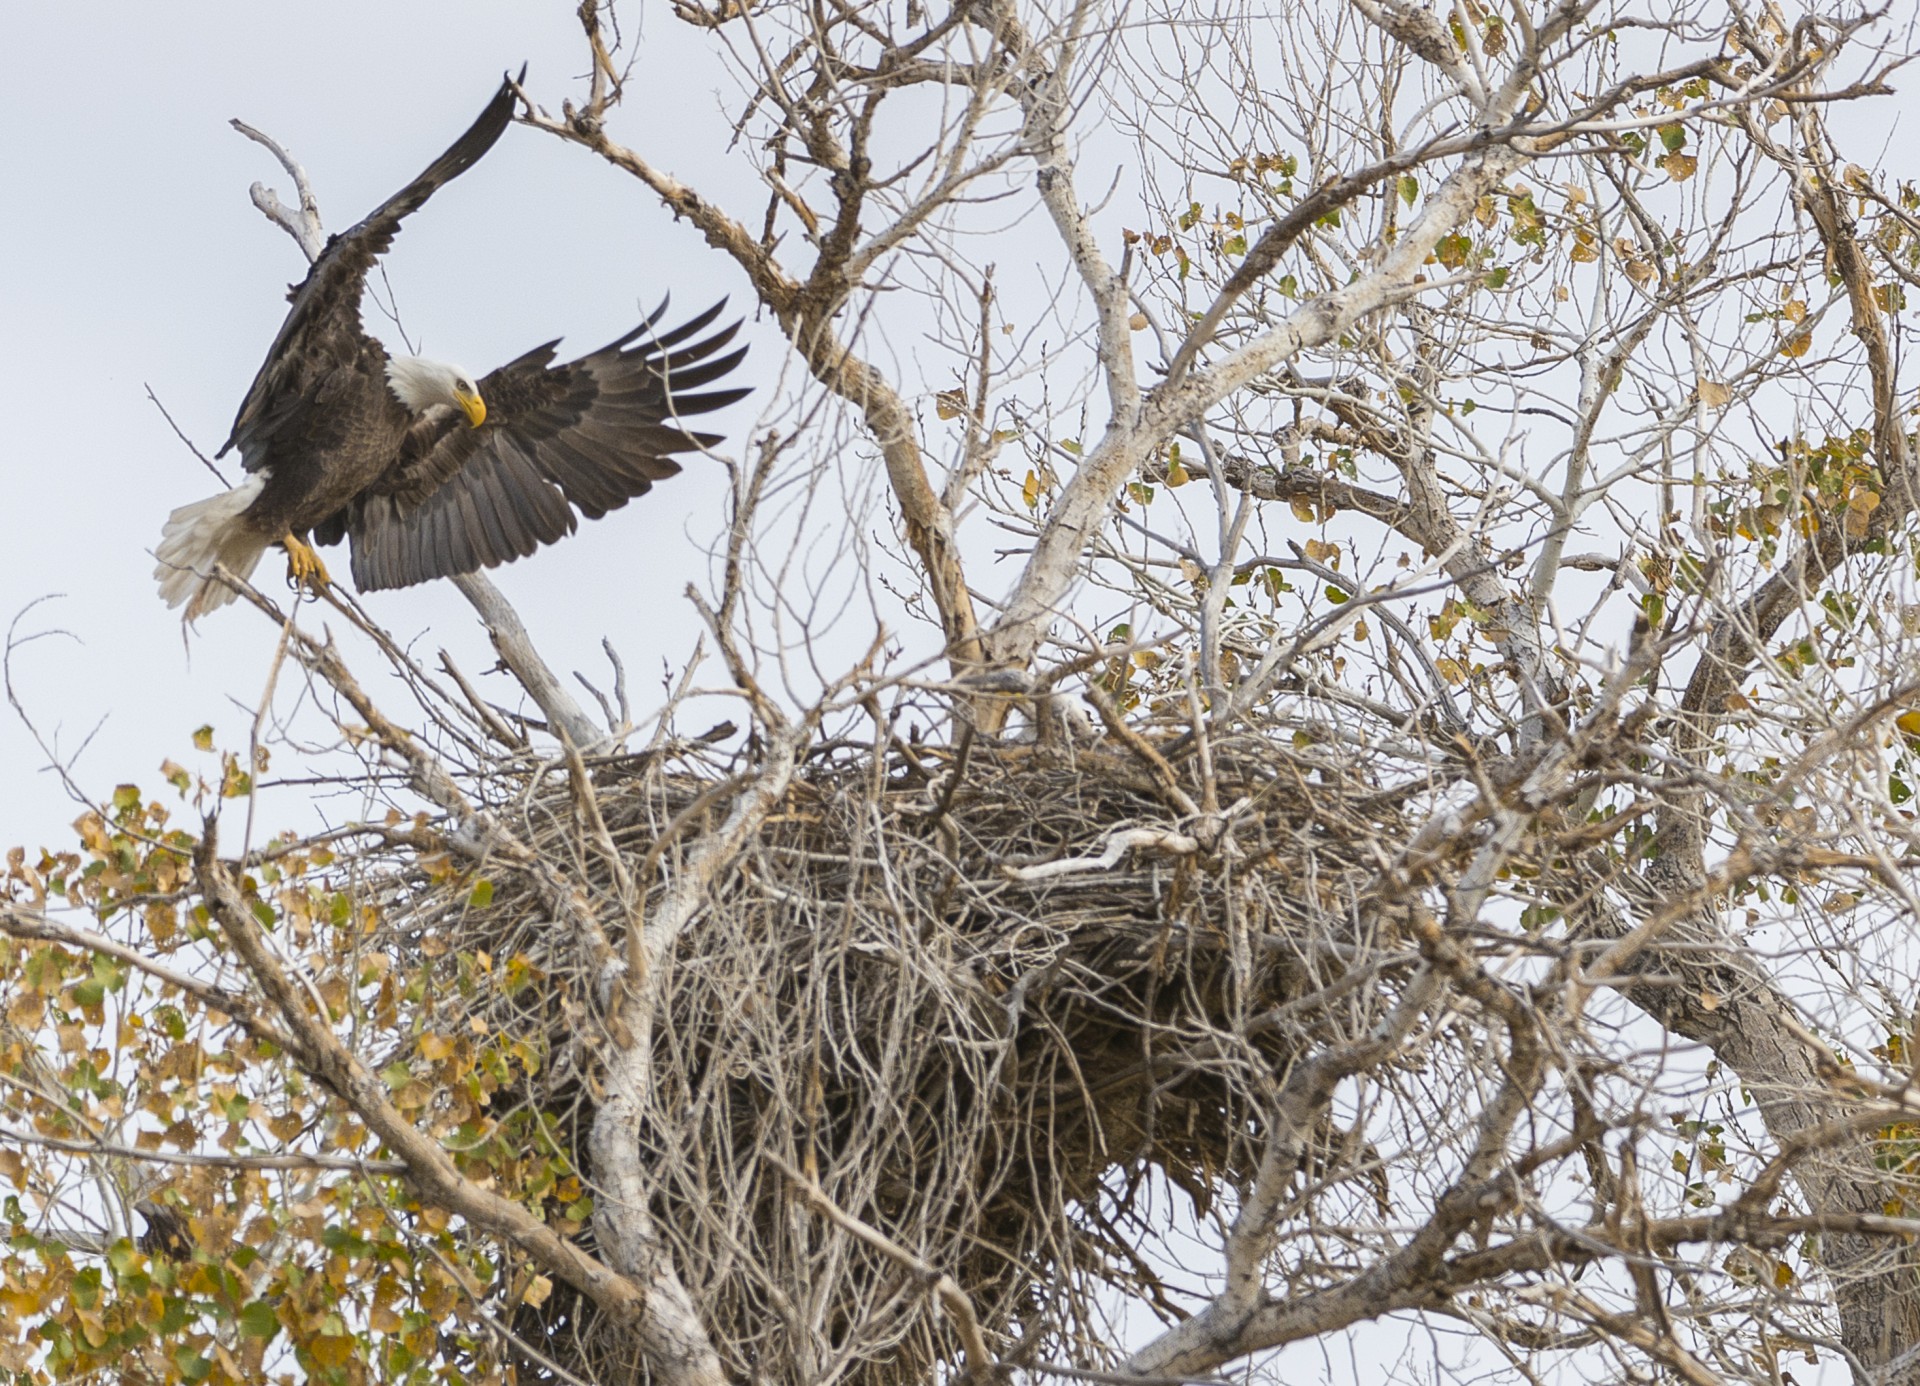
x=304 y=568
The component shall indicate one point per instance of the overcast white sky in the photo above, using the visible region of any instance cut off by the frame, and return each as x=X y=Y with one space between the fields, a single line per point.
x=133 y=258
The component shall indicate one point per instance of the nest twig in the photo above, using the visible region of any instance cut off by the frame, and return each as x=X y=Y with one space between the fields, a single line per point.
x=991 y=1065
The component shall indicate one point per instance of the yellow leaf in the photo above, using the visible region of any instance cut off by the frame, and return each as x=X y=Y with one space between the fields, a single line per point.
x=1908 y=722
x=950 y=404
x=1680 y=167
x=1177 y=475
x=1138 y=322
x=1794 y=311
x=1713 y=394
x=538 y=1289
x=1711 y=1001
x=331 y=1350
x=1030 y=492
x=1450 y=670
x=1319 y=551
x=1797 y=345
x=1303 y=511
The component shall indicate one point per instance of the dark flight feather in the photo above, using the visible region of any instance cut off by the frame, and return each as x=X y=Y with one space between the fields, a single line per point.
x=589 y=435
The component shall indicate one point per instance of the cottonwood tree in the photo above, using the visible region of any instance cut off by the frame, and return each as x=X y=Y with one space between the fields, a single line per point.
x=1320 y=646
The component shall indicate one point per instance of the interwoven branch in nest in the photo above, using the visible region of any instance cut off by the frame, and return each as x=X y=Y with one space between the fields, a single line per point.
x=983 y=1059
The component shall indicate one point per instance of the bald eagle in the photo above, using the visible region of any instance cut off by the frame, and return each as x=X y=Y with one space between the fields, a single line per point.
x=429 y=471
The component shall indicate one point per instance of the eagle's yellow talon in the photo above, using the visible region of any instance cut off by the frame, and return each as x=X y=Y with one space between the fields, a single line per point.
x=304 y=568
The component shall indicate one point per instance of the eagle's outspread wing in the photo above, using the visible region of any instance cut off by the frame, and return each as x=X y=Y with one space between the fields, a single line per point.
x=322 y=334
x=589 y=435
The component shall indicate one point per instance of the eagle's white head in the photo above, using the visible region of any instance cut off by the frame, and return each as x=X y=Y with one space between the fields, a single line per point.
x=421 y=384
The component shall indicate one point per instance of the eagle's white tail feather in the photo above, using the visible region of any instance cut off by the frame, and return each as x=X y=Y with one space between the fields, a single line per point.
x=197 y=537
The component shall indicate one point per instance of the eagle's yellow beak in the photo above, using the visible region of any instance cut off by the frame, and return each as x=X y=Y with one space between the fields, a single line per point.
x=474 y=407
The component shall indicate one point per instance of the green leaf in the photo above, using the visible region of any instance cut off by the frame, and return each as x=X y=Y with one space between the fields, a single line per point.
x=1497 y=279
x=122 y=1257
x=258 y=1320
x=1338 y=596
x=482 y=894
x=203 y=738
x=1236 y=245
x=1673 y=137
x=1409 y=188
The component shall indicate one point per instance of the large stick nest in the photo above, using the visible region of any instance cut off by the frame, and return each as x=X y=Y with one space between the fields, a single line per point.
x=1006 y=1077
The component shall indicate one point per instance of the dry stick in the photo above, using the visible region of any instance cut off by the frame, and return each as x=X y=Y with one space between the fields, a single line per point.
x=495 y=726
x=1118 y=845
x=192 y=447
x=980 y=1362
x=345 y=1164
x=24 y=923
x=1118 y=727
x=304 y=225
x=430 y=1170
x=515 y=647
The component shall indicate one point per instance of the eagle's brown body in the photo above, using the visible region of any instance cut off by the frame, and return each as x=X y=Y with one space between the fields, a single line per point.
x=421 y=488
x=354 y=422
